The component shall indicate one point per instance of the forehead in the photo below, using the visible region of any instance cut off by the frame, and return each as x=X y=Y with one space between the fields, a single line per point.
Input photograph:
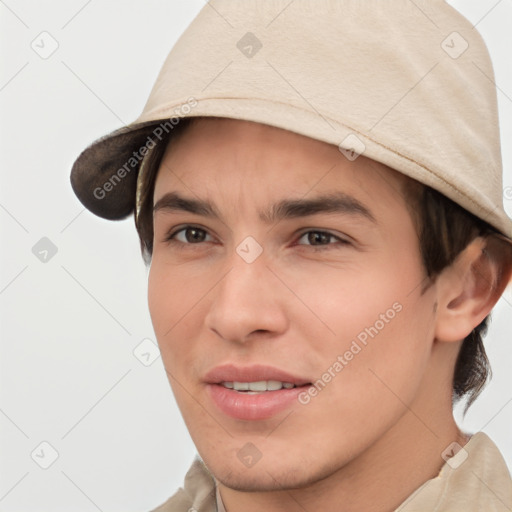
x=219 y=158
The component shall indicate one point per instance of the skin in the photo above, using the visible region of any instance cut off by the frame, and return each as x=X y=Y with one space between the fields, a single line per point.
x=389 y=411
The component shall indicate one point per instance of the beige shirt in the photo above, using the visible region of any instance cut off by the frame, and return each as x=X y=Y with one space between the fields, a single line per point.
x=476 y=479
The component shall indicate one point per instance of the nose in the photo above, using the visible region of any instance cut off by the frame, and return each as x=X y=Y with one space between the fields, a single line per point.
x=247 y=303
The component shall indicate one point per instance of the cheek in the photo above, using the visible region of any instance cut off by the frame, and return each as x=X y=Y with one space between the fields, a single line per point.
x=161 y=303
x=373 y=368
x=353 y=298
x=377 y=329
x=173 y=315
x=172 y=309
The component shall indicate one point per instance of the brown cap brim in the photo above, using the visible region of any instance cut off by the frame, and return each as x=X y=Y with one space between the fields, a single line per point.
x=104 y=176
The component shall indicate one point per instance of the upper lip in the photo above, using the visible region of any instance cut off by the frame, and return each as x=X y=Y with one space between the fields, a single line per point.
x=253 y=373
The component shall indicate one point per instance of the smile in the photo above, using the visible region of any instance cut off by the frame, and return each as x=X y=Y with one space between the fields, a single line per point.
x=253 y=393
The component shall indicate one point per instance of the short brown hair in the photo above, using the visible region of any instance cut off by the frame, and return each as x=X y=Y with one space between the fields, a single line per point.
x=444 y=230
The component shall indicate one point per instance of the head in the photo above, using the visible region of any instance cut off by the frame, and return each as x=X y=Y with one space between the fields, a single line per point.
x=385 y=294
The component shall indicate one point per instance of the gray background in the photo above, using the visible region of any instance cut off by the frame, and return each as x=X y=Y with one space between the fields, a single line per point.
x=71 y=325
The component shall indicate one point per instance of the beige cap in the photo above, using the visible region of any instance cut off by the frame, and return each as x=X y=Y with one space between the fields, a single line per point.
x=407 y=83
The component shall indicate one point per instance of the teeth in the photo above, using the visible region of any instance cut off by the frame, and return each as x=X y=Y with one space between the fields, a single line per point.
x=258 y=386
x=274 y=385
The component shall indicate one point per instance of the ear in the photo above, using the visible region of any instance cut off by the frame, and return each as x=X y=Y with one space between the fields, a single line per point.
x=469 y=288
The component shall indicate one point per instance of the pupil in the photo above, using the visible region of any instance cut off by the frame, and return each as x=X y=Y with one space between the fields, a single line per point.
x=196 y=234
x=318 y=237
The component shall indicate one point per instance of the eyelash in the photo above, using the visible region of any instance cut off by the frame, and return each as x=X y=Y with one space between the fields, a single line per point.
x=170 y=238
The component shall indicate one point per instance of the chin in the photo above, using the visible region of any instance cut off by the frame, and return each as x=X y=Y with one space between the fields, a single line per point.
x=269 y=476
x=247 y=481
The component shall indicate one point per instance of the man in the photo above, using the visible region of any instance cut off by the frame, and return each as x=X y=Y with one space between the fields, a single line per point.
x=317 y=188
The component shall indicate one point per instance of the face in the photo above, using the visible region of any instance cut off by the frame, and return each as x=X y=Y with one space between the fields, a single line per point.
x=285 y=293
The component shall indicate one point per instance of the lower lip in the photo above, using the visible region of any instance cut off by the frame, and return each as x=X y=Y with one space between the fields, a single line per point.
x=244 y=406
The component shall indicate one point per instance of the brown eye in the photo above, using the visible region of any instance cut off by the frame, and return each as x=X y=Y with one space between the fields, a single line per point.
x=318 y=238
x=194 y=235
x=188 y=235
x=322 y=240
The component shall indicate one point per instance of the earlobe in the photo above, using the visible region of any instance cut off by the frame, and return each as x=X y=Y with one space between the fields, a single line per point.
x=470 y=287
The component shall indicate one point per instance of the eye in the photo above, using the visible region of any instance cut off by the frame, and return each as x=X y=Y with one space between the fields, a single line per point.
x=321 y=239
x=188 y=235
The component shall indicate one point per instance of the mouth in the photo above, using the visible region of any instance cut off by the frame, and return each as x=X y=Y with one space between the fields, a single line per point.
x=253 y=393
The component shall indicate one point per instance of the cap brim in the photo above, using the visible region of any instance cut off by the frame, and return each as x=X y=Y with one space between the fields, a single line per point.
x=104 y=176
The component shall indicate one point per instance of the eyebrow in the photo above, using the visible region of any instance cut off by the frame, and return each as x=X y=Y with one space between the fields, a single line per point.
x=337 y=202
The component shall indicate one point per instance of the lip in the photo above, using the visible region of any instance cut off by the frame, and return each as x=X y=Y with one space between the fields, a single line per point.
x=253 y=373
x=251 y=407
